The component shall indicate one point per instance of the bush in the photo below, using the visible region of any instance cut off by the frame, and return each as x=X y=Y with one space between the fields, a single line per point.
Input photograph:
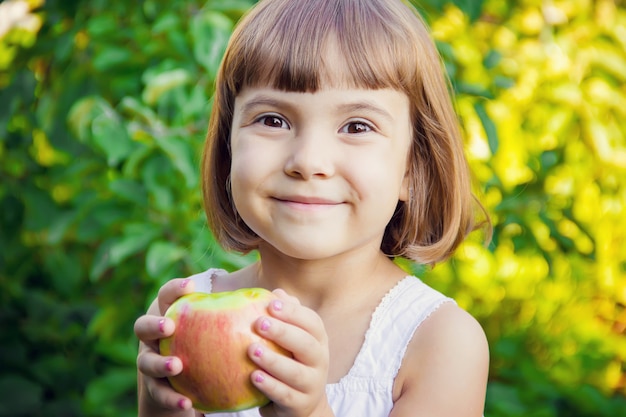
x=104 y=109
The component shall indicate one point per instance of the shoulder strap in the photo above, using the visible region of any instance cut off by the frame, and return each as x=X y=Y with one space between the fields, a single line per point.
x=393 y=324
x=204 y=280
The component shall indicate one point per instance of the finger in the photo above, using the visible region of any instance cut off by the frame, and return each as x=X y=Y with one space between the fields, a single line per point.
x=152 y=364
x=162 y=393
x=281 y=367
x=150 y=329
x=276 y=391
x=173 y=290
x=300 y=316
x=303 y=345
x=282 y=294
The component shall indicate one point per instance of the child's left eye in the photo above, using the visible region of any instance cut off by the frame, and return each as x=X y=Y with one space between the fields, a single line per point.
x=356 y=127
x=273 y=121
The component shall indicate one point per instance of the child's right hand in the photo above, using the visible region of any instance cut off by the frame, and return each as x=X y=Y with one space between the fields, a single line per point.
x=296 y=385
x=156 y=396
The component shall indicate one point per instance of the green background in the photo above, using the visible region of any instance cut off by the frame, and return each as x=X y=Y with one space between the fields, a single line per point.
x=103 y=110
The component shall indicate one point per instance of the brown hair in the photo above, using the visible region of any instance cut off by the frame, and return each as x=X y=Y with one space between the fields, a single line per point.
x=385 y=44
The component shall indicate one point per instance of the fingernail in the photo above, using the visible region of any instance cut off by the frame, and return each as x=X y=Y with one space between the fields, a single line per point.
x=184 y=283
x=258 y=352
x=168 y=364
x=162 y=325
x=259 y=378
x=265 y=324
x=277 y=305
x=181 y=404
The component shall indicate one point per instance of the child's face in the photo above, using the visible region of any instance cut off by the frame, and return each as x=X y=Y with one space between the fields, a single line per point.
x=319 y=174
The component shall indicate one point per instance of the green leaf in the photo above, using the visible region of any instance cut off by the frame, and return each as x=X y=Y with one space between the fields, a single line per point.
x=474 y=90
x=472 y=8
x=237 y=6
x=161 y=255
x=136 y=109
x=65 y=271
x=210 y=32
x=136 y=238
x=39 y=207
x=489 y=127
x=506 y=399
x=492 y=59
x=100 y=262
x=121 y=352
x=158 y=175
x=103 y=216
x=114 y=251
x=167 y=22
x=102 y=25
x=130 y=190
x=59 y=226
x=164 y=82
x=83 y=112
x=181 y=155
x=196 y=107
x=111 y=137
x=104 y=391
x=111 y=57
x=134 y=161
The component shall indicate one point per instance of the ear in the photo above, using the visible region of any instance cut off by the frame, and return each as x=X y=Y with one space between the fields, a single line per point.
x=406 y=190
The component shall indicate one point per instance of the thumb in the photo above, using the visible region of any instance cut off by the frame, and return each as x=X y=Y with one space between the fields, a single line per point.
x=172 y=291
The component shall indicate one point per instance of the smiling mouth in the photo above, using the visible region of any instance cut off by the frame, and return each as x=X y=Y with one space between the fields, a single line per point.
x=307 y=200
x=307 y=203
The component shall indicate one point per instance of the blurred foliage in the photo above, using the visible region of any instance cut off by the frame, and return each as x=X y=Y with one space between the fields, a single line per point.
x=103 y=108
x=542 y=96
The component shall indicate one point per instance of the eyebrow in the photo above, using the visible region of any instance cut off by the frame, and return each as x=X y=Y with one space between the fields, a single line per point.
x=262 y=100
x=349 y=107
x=365 y=106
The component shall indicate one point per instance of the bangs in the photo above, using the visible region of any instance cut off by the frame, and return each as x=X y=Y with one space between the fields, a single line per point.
x=302 y=46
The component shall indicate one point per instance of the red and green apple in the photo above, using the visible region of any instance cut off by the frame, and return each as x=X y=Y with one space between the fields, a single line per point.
x=212 y=336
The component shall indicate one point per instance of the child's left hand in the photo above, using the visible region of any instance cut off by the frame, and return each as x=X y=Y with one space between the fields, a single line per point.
x=296 y=386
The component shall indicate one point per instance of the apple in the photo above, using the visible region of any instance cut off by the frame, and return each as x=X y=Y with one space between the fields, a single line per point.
x=212 y=336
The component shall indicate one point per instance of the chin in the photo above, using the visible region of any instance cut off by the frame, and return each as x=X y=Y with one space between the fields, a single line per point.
x=302 y=250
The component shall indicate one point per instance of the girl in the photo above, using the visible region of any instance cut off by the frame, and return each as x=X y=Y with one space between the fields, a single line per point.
x=333 y=148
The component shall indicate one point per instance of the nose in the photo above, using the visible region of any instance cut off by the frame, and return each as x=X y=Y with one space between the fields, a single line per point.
x=311 y=155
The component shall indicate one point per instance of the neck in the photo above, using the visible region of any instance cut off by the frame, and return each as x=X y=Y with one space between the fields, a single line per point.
x=324 y=283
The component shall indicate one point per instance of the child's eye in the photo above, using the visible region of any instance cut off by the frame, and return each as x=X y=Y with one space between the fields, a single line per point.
x=273 y=121
x=356 y=127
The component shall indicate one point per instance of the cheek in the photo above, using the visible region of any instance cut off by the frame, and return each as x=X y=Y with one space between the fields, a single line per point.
x=251 y=167
x=245 y=160
x=381 y=174
x=242 y=175
x=378 y=189
x=249 y=151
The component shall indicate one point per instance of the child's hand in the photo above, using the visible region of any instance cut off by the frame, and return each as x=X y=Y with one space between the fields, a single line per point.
x=296 y=386
x=156 y=396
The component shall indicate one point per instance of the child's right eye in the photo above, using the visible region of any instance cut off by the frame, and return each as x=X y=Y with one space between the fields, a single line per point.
x=273 y=121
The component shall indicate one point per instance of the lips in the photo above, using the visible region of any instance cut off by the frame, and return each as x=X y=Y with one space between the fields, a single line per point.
x=308 y=200
x=308 y=204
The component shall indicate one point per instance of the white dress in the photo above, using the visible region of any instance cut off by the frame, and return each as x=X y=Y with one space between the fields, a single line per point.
x=366 y=391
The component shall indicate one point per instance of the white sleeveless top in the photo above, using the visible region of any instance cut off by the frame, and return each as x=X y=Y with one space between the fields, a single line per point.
x=367 y=389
